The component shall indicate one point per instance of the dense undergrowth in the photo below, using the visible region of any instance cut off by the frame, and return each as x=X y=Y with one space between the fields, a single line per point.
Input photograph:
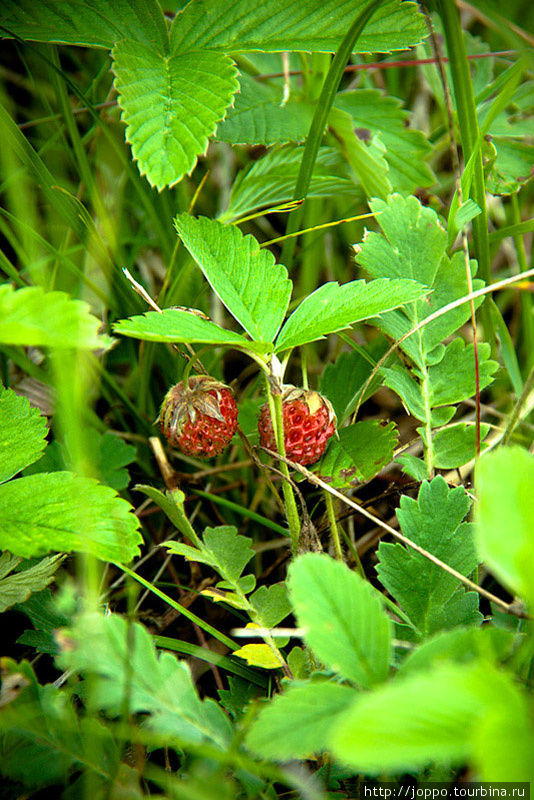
x=328 y=195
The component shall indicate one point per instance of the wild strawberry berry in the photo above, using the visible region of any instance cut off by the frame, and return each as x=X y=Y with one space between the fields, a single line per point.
x=201 y=419
x=309 y=422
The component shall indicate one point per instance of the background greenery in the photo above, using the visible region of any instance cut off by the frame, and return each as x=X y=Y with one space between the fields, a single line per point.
x=177 y=142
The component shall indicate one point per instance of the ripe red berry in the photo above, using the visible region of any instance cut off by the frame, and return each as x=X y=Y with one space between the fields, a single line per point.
x=309 y=422
x=201 y=419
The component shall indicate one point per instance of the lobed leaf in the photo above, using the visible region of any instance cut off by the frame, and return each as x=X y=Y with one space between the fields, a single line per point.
x=333 y=308
x=23 y=432
x=347 y=628
x=258 y=116
x=65 y=512
x=430 y=596
x=171 y=104
x=374 y=113
x=120 y=661
x=253 y=288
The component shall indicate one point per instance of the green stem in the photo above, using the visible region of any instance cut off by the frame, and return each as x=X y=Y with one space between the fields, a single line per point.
x=275 y=407
x=469 y=134
x=333 y=525
x=429 y=448
x=318 y=124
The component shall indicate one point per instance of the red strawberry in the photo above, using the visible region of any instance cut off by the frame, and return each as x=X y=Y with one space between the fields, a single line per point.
x=309 y=422
x=200 y=419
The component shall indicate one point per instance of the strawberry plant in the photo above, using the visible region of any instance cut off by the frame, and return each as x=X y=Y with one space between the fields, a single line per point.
x=266 y=396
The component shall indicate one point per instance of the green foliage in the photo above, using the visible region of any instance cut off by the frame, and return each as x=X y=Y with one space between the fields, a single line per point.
x=47 y=319
x=171 y=104
x=259 y=117
x=22 y=434
x=376 y=114
x=42 y=738
x=271 y=180
x=313 y=708
x=251 y=286
x=333 y=308
x=244 y=26
x=360 y=451
x=430 y=596
x=430 y=716
x=342 y=381
x=180 y=326
x=24 y=579
x=65 y=512
x=128 y=666
x=505 y=517
x=346 y=626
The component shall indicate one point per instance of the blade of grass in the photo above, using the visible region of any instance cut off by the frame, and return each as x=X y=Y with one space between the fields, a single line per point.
x=318 y=124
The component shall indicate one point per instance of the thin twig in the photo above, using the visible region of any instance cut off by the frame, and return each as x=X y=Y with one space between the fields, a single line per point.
x=510 y=608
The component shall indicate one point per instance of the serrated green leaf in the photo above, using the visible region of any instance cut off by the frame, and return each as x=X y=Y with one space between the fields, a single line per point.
x=17 y=586
x=191 y=553
x=113 y=455
x=181 y=326
x=358 y=454
x=43 y=739
x=296 y=724
x=411 y=722
x=65 y=512
x=459 y=361
x=374 y=113
x=413 y=466
x=512 y=168
x=31 y=316
x=505 y=517
x=171 y=503
x=120 y=661
x=171 y=105
x=253 y=288
x=333 y=308
x=23 y=433
x=431 y=597
x=347 y=628
x=271 y=603
x=367 y=158
x=230 y=551
x=46 y=615
x=455 y=446
x=243 y=26
x=258 y=116
x=413 y=245
x=271 y=180
x=461 y=645
x=400 y=381
x=97 y=23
